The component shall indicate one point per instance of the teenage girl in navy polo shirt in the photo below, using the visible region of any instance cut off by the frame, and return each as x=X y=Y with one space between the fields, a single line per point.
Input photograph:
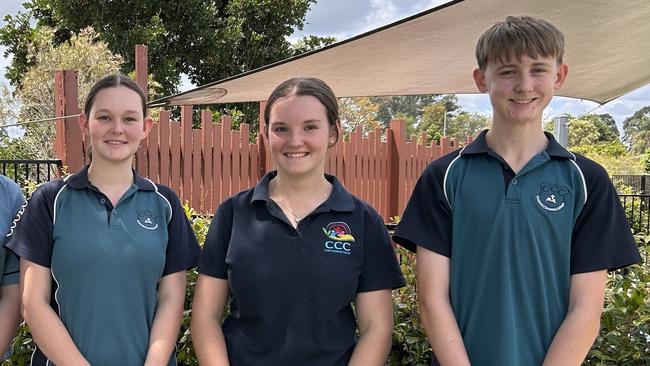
x=294 y=253
x=104 y=251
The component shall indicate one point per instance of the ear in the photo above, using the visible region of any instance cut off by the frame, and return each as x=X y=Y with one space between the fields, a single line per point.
x=479 y=80
x=83 y=123
x=335 y=133
x=560 y=76
x=146 y=126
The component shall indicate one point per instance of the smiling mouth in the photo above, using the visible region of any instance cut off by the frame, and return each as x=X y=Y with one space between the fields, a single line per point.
x=115 y=142
x=296 y=155
x=523 y=101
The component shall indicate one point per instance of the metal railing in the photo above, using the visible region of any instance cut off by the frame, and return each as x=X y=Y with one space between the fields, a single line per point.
x=29 y=173
x=637 y=207
x=639 y=183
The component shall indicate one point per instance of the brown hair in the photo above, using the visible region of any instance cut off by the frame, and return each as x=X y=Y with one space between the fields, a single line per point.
x=519 y=36
x=113 y=81
x=314 y=87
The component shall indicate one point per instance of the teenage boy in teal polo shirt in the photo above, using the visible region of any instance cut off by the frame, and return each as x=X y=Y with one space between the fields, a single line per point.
x=11 y=199
x=515 y=234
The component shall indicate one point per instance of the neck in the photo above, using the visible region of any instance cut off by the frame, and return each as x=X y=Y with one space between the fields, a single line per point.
x=114 y=176
x=300 y=187
x=516 y=144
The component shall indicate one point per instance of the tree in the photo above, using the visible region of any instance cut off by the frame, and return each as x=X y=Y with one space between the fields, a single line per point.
x=311 y=43
x=35 y=98
x=411 y=105
x=636 y=130
x=206 y=39
x=358 y=113
x=582 y=131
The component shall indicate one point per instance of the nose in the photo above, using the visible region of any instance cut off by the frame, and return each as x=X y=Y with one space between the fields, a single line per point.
x=295 y=138
x=117 y=127
x=524 y=83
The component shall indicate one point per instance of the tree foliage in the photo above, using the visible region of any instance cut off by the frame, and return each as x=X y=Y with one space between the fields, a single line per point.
x=35 y=98
x=206 y=39
x=636 y=130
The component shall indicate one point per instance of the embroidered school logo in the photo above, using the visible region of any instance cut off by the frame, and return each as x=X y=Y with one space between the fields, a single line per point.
x=146 y=219
x=340 y=238
x=551 y=196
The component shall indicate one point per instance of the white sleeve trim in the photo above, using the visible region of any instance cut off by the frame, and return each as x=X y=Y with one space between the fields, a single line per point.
x=444 y=181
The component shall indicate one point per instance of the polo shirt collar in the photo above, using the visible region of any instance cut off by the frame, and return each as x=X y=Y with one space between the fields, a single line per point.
x=80 y=180
x=554 y=149
x=339 y=199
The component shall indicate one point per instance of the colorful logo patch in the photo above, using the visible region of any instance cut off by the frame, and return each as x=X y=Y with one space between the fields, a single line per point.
x=147 y=219
x=340 y=238
x=551 y=197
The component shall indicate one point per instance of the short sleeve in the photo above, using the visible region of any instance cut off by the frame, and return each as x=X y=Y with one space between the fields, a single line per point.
x=14 y=200
x=601 y=238
x=427 y=219
x=31 y=234
x=380 y=267
x=213 y=257
x=182 y=248
x=12 y=269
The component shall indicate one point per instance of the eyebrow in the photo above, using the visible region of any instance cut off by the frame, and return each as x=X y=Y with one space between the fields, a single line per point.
x=105 y=110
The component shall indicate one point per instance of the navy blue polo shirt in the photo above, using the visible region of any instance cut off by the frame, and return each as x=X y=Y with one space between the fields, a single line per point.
x=106 y=261
x=11 y=199
x=292 y=289
x=514 y=240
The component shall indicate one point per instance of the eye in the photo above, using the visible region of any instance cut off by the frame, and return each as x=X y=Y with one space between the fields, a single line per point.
x=130 y=119
x=311 y=127
x=279 y=129
x=506 y=72
x=103 y=118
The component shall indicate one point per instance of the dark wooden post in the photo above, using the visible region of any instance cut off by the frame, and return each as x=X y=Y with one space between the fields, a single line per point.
x=141 y=71
x=264 y=158
x=141 y=66
x=68 y=143
x=396 y=141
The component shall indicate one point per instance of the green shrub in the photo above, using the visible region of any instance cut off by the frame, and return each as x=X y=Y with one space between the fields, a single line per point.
x=624 y=337
x=410 y=344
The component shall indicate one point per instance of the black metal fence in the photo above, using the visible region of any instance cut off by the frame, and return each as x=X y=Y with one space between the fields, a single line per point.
x=640 y=184
x=637 y=207
x=29 y=173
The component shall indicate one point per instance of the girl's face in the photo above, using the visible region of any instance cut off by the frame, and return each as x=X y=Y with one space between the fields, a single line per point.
x=299 y=135
x=116 y=124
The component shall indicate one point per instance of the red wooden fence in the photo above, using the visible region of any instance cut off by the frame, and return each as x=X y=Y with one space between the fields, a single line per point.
x=204 y=166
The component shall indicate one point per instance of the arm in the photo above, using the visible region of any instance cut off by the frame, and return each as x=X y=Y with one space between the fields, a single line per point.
x=374 y=311
x=580 y=326
x=166 y=323
x=436 y=313
x=210 y=299
x=9 y=314
x=46 y=327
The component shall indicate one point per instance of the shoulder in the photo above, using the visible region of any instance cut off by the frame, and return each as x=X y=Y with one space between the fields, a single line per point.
x=591 y=171
x=48 y=191
x=439 y=167
x=9 y=186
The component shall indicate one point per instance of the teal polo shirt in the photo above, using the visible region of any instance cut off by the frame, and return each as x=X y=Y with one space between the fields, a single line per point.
x=514 y=240
x=106 y=261
x=11 y=199
x=292 y=289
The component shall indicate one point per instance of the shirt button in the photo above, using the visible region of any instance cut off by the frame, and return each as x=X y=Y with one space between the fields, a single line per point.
x=514 y=181
x=114 y=212
x=102 y=201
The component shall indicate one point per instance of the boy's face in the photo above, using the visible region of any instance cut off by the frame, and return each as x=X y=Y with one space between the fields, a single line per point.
x=520 y=89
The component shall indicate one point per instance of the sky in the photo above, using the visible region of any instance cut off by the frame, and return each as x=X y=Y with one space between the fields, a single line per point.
x=347 y=18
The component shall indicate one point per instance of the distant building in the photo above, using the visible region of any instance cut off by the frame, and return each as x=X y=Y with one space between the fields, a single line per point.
x=562 y=129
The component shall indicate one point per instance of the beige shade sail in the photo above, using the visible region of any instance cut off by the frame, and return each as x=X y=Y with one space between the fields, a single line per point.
x=607 y=50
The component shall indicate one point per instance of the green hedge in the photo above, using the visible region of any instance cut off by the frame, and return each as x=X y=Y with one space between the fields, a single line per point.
x=624 y=337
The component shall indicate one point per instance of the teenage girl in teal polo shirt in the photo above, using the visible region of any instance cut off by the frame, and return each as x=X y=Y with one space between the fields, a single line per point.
x=294 y=253
x=104 y=251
